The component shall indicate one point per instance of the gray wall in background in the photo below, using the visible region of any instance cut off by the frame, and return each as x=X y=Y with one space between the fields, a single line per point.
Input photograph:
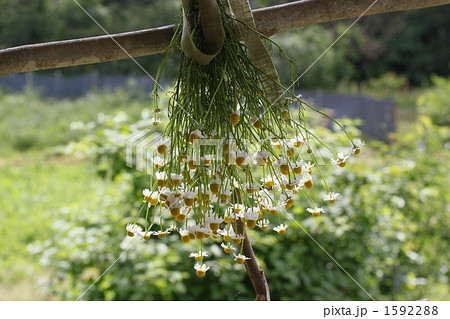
x=377 y=115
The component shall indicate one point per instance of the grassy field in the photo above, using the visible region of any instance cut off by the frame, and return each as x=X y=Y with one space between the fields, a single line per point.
x=37 y=186
x=36 y=191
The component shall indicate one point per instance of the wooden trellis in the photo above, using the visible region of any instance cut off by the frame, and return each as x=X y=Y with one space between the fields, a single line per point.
x=269 y=21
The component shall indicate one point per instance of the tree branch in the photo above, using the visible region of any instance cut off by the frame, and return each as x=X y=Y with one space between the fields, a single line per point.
x=268 y=21
x=255 y=273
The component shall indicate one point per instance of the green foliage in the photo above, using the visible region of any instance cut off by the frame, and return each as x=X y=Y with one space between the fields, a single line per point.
x=304 y=46
x=388 y=231
x=435 y=102
x=29 y=122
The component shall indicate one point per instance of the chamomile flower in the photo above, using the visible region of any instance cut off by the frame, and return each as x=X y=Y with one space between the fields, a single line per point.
x=263 y=224
x=341 y=159
x=162 y=145
x=358 y=144
x=307 y=180
x=195 y=136
x=315 y=211
x=158 y=162
x=280 y=229
x=133 y=229
x=156 y=121
x=241 y=158
x=150 y=197
x=235 y=117
x=161 y=234
x=201 y=269
x=240 y=259
x=268 y=181
x=189 y=198
x=176 y=178
x=261 y=158
x=330 y=197
x=184 y=233
x=251 y=188
x=307 y=166
x=297 y=167
x=145 y=235
x=213 y=222
x=251 y=216
x=237 y=238
x=161 y=178
x=199 y=255
x=228 y=247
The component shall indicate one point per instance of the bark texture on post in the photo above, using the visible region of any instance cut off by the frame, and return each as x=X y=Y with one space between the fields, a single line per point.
x=255 y=273
x=268 y=21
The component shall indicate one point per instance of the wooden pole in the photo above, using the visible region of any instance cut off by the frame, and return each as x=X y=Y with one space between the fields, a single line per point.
x=268 y=21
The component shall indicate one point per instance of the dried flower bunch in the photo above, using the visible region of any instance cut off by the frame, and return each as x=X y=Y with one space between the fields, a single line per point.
x=228 y=154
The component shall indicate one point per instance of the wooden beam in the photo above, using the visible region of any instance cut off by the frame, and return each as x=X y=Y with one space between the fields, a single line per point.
x=268 y=21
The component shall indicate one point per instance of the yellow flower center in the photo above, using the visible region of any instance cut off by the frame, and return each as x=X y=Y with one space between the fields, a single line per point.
x=146 y=236
x=226 y=237
x=175 y=211
x=282 y=231
x=199 y=235
x=237 y=241
x=162 y=149
x=240 y=161
x=193 y=138
x=331 y=201
x=130 y=234
x=285 y=115
x=228 y=250
x=342 y=164
x=198 y=258
x=214 y=188
x=250 y=190
x=214 y=226
x=160 y=182
x=240 y=260
x=273 y=211
x=298 y=170
x=162 y=235
x=257 y=124
x=201 y=273
x=234 y=118
x=357 y=151
x=180 y=217
x=251 y=223
x=269 y=183
x=309 y=184
x=185 y=238
x=189 y=201
x=315 y=214
x=191 y=165
x=290 y=152
x=191 y=236
x=263 y=227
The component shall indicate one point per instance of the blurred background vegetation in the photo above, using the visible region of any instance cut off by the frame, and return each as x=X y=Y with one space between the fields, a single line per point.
x=66 y=194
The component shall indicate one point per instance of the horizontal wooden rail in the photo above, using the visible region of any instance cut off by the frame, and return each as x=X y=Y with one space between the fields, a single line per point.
x=268 y=21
